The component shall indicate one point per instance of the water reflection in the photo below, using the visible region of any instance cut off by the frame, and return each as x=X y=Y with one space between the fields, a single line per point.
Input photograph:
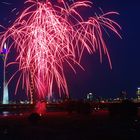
x=9 y=113
x=5 y=113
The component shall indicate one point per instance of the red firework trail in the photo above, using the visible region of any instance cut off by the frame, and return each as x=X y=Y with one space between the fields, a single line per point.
x=47 y=36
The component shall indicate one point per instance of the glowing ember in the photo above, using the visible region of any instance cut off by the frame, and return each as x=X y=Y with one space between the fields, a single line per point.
x=48 y=36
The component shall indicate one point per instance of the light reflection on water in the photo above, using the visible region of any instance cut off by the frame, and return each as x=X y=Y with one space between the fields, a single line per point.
x=8 y=113
x=5 y=113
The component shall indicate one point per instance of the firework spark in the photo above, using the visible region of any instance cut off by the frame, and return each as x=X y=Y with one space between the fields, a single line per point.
x=47 y=36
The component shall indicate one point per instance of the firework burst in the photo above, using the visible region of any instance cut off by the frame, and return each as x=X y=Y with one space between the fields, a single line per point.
x=47 y=36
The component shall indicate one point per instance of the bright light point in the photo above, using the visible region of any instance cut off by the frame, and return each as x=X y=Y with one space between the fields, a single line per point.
x=5 y=46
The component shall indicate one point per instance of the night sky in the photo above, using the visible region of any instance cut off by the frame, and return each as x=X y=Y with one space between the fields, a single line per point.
x=99 y=78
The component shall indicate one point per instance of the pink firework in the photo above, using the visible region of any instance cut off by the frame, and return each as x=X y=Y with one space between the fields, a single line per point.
x=47 y=36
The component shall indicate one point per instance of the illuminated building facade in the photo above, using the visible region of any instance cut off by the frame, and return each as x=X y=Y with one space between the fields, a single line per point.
x=138 y=93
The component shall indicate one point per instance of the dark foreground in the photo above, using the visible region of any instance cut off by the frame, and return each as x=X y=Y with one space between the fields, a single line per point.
x=69 y=126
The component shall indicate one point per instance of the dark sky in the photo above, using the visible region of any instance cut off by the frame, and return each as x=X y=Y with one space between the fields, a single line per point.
x=99 y=78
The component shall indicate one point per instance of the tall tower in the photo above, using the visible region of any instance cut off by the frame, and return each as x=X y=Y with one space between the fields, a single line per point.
x=5 y=99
